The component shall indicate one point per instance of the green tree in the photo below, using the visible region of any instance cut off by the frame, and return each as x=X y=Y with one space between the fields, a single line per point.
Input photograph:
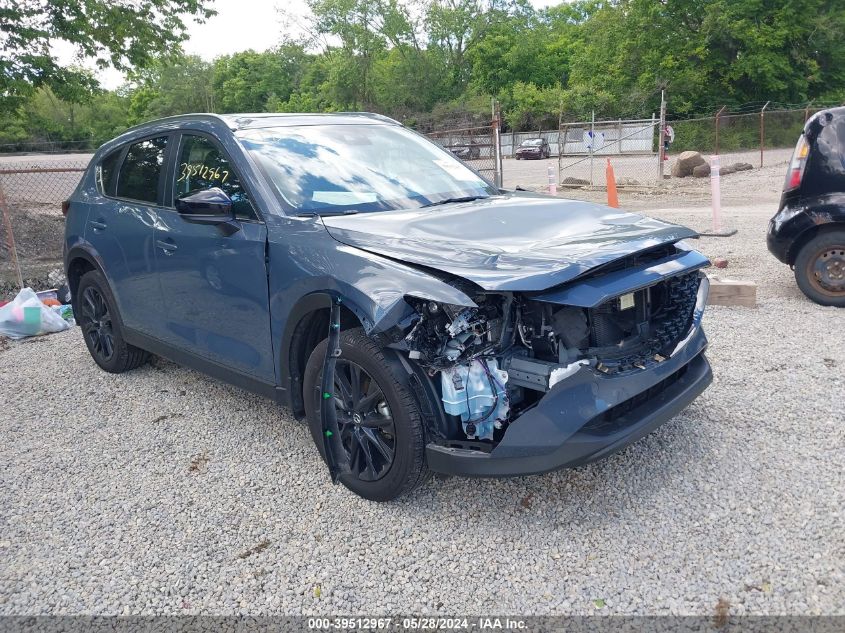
x=175 y=87
x=243 y=82
x=121 y=35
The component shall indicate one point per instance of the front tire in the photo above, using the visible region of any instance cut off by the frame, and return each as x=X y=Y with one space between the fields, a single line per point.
x=379 y=422
x=820 y=269
x=101 y=326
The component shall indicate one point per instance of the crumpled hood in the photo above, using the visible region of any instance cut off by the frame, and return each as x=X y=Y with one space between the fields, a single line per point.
x=516 y=243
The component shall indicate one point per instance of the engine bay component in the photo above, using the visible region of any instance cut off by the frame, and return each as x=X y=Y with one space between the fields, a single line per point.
x=476 y=393
x=539 y=375
x=448 y=335
x=496 y=360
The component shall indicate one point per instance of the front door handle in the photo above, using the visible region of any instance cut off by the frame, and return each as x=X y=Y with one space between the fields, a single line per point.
x=98 y=225
x=167 y=247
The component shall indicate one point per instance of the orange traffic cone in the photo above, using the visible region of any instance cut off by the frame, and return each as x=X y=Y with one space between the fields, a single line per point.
x=612 y=198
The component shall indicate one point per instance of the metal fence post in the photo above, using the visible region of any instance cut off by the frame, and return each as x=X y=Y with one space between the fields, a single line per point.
x=619 y=135
x=561 y=141
x=497 y=146
x=592 y=143
x=718 y=114
x=763 y=130
x=7 y=220
x=661 y=137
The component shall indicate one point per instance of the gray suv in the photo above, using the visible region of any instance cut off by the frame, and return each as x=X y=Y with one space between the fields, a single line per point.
x=418 y=317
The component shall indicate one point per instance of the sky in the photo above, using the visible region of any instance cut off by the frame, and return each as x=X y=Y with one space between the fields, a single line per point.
x=239 y=25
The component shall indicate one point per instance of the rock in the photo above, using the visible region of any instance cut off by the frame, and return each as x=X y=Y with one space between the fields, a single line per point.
x=569 y=180
x=727 y=169
x=742 y=166
x=701 y=171
x=687 y=161
x=627 y=182
x=720 y=262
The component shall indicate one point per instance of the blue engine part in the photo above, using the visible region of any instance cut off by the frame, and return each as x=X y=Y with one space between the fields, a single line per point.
x=476 y=392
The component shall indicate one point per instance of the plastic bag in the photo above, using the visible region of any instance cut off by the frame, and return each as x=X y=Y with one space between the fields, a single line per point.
x=27 y=316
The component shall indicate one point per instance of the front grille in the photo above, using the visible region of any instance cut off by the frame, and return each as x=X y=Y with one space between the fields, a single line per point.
x=645 y=334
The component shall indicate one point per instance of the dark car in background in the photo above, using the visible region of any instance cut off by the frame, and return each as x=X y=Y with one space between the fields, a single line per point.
x=808 y=231
x=533 y=148
x=466 y=152
x=419 y=318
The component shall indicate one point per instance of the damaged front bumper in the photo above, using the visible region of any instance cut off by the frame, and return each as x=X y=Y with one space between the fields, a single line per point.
x=587 y=416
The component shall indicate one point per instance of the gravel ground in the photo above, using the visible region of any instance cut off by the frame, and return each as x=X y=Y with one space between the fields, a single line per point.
x=183 y=495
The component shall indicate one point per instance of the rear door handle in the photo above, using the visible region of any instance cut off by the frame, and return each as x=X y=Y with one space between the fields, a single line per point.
x=98 y=225
x=167 y=247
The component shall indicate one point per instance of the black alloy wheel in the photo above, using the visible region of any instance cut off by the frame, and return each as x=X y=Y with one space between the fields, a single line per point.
x=101 y=325
x=380 y=441
x=365 y=423
x=96 y=324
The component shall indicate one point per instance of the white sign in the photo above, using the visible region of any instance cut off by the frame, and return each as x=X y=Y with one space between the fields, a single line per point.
x=593 y=140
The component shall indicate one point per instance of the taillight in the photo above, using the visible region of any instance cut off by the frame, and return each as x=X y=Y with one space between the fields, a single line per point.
x=796 y=166
x=65 y=207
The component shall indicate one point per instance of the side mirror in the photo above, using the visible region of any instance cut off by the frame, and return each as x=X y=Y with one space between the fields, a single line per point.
x=208 y=206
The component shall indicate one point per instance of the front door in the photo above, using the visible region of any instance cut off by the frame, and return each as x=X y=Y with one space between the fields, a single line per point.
x=213 y=278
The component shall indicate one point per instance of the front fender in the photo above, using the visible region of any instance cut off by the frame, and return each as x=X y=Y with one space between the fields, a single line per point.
x=308 y=260
x=307 y=267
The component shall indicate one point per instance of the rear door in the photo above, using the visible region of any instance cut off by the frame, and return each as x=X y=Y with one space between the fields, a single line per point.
x=120 y=226
x=213 y=277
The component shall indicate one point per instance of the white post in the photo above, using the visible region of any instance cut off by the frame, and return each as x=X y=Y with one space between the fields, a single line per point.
x=715 y=192
x=552 y=180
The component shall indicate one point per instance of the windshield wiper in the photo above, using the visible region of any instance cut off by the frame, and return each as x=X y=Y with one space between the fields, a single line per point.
x=304 y=214
x=457 y=199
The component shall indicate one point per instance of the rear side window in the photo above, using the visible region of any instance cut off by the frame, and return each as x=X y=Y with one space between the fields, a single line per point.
x=106 y=172
x=141 y=170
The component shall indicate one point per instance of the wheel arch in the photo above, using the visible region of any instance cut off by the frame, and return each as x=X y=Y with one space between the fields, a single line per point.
x=307 y=325
x=80 y=261
x=811 y=233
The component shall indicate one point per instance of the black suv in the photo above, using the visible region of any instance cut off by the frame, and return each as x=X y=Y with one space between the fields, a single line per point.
x=808 y=231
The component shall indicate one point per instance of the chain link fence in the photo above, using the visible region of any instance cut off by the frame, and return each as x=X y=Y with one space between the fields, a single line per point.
x=32 y=190
x=476 y=146
x=759 y=138
x=586 y=147
x=50 y=147
x=764 y=138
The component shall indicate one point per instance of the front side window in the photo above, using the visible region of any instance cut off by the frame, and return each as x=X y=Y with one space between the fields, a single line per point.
x=202 y=165
x=141 y=170
x=359 y=167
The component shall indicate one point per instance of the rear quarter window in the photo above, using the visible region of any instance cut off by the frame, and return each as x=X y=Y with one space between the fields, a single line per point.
x=107 y=171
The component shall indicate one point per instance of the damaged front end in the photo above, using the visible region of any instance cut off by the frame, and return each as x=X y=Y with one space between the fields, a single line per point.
x=533 y=381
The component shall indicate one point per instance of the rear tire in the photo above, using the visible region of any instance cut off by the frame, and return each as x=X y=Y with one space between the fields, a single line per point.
x=368 y=435
x=96 y=313
x=820 y=269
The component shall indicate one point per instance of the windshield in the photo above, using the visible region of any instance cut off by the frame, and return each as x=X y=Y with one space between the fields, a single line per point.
x=338 y=168
x=532 y=142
